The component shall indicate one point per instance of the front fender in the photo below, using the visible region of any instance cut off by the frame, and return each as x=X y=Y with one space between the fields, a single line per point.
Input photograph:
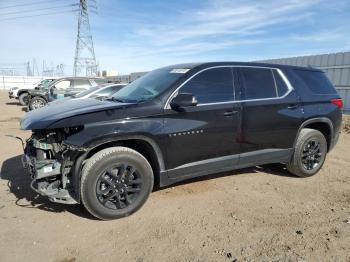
x=96 y=134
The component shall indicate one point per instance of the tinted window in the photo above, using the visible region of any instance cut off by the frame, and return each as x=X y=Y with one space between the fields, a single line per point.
x=149 y=85
x=258 y=83
x=317 y=81
x=282 y=88
x=109 y=90
x=211 y=86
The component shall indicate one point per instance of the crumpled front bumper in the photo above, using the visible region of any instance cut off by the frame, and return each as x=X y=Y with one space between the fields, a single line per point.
x=38 y=171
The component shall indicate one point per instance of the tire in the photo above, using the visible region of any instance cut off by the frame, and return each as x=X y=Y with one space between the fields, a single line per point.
x=115 y=194
x=23 y=99
x=307 y=160
x=37 y=102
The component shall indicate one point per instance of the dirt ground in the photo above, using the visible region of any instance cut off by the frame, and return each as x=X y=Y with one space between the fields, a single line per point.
x=254 y=214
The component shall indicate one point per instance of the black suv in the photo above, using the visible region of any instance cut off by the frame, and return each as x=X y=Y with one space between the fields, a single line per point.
x=61 y=88
x=180 y=122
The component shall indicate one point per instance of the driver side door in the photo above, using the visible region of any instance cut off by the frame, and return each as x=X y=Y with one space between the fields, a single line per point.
x=204 y=138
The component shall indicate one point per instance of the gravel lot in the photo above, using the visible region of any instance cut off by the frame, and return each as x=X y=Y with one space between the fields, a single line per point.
x=254 y=214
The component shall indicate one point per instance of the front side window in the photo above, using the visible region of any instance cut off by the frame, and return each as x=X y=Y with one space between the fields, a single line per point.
x=211 y=86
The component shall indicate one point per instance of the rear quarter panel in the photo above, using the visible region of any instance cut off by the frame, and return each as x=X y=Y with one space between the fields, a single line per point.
x=317 y=105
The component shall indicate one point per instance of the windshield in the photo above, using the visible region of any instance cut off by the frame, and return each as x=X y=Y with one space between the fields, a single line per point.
x=148 y=86
x=46 y=82
x=86 y=92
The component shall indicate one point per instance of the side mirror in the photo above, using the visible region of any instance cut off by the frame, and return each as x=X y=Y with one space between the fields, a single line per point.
x=183 y=100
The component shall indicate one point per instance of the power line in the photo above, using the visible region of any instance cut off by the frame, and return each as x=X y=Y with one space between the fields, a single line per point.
x=44 y=14
x=33 y=3
x=40 y=9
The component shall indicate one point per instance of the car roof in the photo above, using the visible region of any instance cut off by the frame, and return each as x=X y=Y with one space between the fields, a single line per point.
x=232 y=63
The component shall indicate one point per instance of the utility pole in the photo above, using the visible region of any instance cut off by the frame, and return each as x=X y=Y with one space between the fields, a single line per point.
x=84 y=50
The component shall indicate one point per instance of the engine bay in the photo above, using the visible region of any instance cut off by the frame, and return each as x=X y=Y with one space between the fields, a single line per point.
x=49 y=163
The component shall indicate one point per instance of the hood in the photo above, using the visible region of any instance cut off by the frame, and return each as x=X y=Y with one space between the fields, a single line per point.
x=44 y=117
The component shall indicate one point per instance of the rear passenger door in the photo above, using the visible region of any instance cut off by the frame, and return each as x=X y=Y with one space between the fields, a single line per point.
x=271 y=115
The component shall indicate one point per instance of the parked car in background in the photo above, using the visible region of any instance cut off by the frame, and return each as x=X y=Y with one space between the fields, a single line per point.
x=181 y=122
x=22 y=93
x=61 y=88
x=99 y=92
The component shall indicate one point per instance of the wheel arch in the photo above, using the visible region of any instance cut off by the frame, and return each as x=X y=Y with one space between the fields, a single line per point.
x=20 y=92
x=142 y=144
x=322 y=124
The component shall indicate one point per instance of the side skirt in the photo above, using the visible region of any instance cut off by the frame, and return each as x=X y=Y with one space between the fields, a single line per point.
x=223 y=164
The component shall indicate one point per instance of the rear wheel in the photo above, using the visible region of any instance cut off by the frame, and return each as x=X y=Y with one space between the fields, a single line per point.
x=115 y=183
x=23 y=99
x=309 y=153
x=37 y=102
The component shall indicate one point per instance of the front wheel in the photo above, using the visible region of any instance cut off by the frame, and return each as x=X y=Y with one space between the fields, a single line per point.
x=37 y=102
x=115 y=183
x=309 y=153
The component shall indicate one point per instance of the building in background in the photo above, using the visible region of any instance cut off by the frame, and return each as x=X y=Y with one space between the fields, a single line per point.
x=107 y=73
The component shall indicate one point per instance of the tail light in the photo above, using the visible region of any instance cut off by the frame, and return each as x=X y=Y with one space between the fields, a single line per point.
x=338 y=102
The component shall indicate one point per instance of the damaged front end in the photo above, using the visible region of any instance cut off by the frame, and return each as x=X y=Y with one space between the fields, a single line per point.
x=51 y=164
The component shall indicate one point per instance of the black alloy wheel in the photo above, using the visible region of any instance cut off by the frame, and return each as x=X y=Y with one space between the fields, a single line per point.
x=311 y=155
x=116 y=182
x=118 y=187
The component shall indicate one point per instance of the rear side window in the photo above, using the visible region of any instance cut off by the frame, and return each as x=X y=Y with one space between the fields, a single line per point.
x=282 y=88
x=211 y=86
x=316 y=81
x=258 y=83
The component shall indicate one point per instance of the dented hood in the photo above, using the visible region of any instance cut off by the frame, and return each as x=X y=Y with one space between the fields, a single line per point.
x=44 y=117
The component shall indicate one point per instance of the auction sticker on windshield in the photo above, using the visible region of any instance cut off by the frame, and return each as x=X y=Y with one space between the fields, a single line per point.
x=179 y=71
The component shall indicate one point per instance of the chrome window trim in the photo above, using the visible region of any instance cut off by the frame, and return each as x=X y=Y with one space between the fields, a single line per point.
x=284 y=78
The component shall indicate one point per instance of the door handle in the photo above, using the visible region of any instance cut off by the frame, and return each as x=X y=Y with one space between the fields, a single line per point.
x=230 y=113
x=292 y=107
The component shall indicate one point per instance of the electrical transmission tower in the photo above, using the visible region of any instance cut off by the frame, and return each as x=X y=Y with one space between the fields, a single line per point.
x=84 y=50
